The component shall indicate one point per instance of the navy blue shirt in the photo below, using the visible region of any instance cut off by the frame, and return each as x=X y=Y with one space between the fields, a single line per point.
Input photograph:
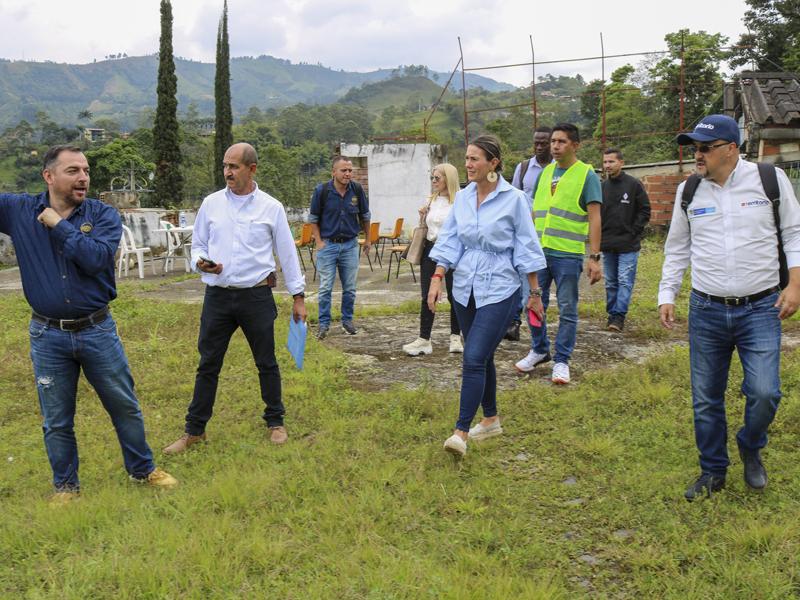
x=68 y=271
x=340 y=215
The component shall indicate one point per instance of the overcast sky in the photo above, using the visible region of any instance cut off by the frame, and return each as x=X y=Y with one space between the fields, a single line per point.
x=365 y=35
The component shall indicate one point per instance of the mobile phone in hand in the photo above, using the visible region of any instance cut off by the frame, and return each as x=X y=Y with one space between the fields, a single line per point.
x=208 y=261
x=534 y=319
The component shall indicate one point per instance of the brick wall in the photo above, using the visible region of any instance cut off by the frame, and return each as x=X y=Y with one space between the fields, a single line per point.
x=360 y=175
x=661 y=191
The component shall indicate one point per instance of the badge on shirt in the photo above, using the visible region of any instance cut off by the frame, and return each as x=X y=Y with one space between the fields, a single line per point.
x=86 y=227
x=754 y=203
x=354 y=201
x=704 y=211
x=625 y=199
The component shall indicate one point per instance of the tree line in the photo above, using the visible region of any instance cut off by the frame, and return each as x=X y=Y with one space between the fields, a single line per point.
x=184 y=151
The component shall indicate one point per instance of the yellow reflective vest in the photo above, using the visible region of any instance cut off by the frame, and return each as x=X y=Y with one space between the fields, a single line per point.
x=559 y=220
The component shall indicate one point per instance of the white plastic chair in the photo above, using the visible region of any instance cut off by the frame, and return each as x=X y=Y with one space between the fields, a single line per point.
x=127 y=247
x=173 y=245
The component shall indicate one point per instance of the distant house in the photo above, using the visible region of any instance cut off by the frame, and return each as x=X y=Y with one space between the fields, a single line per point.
x=92 y=134
x=767 y=107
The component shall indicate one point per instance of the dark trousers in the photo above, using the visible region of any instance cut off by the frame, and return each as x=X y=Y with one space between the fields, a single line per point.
x=426 y=269
x=224 y=310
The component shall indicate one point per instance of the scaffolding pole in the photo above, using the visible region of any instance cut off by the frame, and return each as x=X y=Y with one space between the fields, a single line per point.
x=603 y=92
x=436 y=104
x=464 y=93
x=533 y=86
x=682 y=99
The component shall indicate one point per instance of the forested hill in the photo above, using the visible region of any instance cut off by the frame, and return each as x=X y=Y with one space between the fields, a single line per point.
x=122 y=88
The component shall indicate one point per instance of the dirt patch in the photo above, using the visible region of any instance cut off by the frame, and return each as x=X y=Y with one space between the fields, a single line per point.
x=377 y=361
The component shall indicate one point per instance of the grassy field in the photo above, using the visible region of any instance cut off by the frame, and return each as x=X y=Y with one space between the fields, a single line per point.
x=583 y=496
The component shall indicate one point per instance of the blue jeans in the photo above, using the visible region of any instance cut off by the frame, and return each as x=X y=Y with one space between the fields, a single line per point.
x=566 y=272
x=620 y=274
x=483 y=329
x=714 y=331
x=58 y=357
x=345 y=256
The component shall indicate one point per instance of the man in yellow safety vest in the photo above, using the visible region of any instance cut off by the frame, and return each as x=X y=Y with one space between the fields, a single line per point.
x=566 y=211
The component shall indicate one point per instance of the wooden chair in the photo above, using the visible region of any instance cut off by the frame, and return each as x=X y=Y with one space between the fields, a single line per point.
x=397 y=251
x=305 y=241
x=394 y=237
x=374 y=234
x=127 y=248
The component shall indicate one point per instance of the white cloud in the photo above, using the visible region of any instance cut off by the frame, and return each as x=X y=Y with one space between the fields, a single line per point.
x=364 y=35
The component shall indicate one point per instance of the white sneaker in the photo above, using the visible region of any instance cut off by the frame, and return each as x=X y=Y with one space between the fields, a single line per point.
x=481 y=432
x=560 y=373
x=417 y=347
x=534 y=359
x=455 y=445
x=456 y=346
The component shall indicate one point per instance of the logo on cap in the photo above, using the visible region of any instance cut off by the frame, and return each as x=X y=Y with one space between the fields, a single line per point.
x=704 y=126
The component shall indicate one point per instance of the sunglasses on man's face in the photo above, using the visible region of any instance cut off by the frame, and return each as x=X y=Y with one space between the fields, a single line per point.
x=706 y=148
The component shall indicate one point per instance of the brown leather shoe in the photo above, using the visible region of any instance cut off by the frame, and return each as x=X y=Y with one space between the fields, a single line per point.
x=63 y=498
x=278 y=435
x=183 y=443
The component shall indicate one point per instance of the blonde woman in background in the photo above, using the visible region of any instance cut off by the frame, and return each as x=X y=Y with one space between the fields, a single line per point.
x=444 y=184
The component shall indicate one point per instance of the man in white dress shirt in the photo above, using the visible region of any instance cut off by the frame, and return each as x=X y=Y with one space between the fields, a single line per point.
x=729 y=237
x=235 y=236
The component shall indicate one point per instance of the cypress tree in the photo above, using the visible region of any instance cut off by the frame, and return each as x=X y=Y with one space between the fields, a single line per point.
x=168 y=184
x=223 y=122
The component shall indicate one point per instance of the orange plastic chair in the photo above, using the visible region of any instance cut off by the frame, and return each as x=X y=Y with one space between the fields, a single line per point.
x=374 y=235
x=394 y=237
x=306 y=241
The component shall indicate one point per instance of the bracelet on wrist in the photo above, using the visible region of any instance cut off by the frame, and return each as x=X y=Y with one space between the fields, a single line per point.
x=536 y=292
x=437 y=276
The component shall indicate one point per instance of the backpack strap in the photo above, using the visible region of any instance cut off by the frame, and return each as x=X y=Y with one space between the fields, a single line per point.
x=689 y=188
x=323 y=196
x=769 y=181
x=523 y=168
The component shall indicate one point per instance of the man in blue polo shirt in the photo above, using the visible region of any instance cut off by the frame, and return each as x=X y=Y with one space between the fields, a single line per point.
x=339 y=210
x=65 y=245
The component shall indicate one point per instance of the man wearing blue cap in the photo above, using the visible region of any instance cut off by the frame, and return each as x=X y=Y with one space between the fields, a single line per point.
x=726 y=230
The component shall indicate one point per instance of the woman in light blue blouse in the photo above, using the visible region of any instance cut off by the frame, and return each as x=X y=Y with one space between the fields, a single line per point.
x=490 y=242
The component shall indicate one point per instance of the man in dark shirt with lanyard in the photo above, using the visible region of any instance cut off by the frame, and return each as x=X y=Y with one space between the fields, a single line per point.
x=339 y=210
x=65 y=245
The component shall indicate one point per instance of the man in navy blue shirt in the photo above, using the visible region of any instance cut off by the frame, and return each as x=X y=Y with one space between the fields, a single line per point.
x=339 y=210
x=65 y=245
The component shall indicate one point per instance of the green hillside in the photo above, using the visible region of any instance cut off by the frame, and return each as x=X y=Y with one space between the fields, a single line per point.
x=121 y=89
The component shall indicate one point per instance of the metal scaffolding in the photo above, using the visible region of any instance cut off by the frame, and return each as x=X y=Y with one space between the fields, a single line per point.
x=602 y=57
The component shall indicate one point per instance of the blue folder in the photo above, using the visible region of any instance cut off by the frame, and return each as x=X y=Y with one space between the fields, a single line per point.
x=296 y=342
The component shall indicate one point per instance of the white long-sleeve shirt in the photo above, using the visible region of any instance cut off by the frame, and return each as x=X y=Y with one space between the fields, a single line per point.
x=729 y=237
x=436 y=216
x=242 y=233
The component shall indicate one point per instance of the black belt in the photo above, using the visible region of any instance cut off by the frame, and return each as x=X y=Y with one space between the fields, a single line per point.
x=737 y=301
x=339 y=240
x=269 y=281
x=73 y=324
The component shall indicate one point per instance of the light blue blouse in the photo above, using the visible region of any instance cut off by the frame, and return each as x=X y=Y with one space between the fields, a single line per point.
x=489 y=247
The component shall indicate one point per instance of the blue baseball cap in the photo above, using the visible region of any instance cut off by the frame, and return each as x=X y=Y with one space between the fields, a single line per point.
x=712 y=127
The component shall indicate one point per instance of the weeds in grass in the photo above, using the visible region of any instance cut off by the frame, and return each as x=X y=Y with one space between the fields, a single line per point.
x=581 y=497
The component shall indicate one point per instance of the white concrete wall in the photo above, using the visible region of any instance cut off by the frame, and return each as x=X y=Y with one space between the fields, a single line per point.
x=143 y=222
x=399 y=179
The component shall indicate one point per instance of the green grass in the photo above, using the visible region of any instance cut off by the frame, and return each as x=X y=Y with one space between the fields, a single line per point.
x=362 y=502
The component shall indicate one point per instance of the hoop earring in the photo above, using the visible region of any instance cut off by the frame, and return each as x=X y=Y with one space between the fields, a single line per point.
x=491 y=176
